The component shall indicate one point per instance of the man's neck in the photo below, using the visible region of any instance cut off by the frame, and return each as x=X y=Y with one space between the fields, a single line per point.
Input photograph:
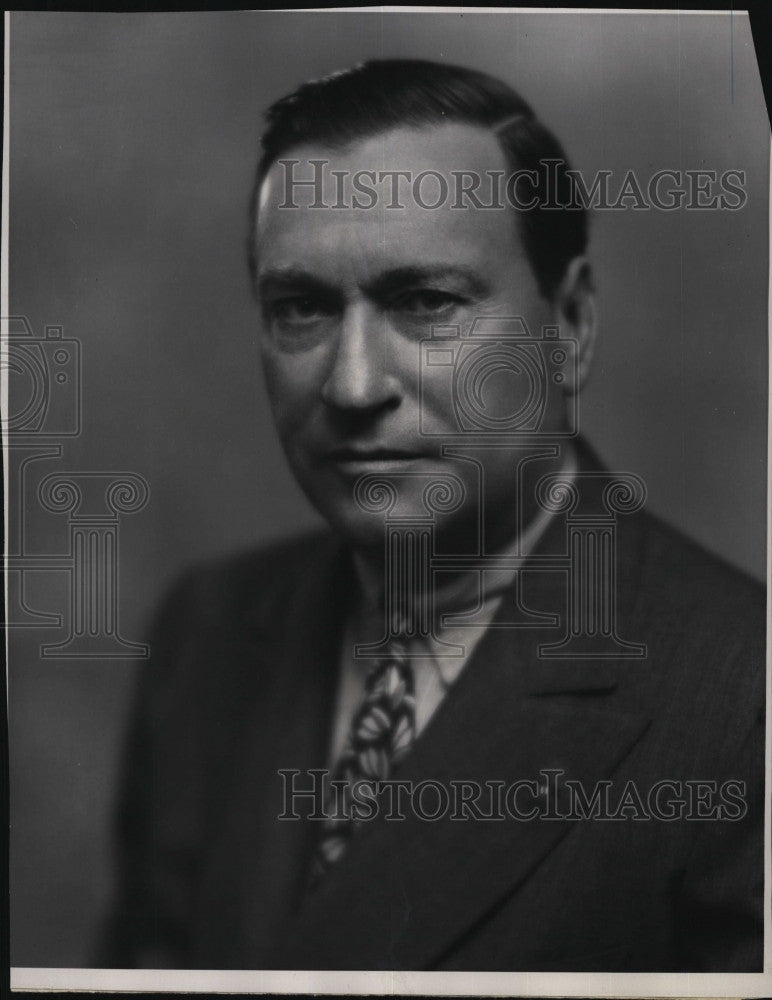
x=511 y=533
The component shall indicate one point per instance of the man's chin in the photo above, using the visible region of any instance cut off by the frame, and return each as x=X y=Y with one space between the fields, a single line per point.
x=356 y=527
x=366 y=530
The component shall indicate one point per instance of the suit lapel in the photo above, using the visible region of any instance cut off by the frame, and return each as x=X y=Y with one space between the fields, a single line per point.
x=261 y=860
x=407 y=889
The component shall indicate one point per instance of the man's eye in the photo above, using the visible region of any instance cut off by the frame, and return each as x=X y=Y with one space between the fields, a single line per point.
x=299 y=310
x=427 y=302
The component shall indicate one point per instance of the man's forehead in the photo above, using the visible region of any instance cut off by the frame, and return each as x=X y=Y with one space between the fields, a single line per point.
x=445 y=149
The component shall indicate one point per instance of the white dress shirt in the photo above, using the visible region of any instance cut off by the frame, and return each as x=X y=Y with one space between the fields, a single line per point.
x=436 y=672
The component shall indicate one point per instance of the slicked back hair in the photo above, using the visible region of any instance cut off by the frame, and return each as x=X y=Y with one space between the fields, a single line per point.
x=379 y=95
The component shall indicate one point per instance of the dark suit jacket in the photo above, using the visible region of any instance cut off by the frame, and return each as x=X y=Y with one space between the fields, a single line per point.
x=241 y=684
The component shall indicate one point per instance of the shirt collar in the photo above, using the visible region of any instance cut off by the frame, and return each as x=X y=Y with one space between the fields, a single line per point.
x=465 y=589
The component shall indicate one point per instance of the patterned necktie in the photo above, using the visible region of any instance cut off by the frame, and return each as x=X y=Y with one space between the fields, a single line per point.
x=382 y=731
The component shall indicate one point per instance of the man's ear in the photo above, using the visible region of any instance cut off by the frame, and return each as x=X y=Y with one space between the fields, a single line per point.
x=575 y=307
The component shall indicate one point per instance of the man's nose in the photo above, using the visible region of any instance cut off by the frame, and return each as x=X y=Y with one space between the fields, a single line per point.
x=361 y=376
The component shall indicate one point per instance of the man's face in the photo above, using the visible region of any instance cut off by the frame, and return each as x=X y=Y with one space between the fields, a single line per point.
x=348 y=294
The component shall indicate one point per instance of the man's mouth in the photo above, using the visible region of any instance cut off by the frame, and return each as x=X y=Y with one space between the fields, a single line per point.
x=363 y=459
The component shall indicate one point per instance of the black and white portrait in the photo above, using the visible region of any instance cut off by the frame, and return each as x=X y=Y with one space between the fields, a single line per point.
x=386 y=450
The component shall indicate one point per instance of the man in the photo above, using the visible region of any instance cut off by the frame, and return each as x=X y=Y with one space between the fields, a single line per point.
x=476 y=622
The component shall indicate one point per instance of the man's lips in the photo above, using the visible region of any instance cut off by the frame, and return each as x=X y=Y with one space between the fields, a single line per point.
x=375 y=457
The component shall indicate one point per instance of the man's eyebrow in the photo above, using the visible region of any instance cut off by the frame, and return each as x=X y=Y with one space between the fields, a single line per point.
x=291 y=277
x=382 y=286
x=402 y=277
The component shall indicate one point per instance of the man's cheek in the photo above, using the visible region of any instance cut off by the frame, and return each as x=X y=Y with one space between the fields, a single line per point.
x=291 y=422
x=435 y=409
x=288 y=390
x=270 y=377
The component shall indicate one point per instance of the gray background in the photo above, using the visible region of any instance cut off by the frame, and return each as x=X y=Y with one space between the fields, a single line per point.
x=133 y=139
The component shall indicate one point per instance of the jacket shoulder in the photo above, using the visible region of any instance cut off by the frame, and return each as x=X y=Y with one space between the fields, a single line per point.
x=699 y=585
x=705 y=627
x=248 y=585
